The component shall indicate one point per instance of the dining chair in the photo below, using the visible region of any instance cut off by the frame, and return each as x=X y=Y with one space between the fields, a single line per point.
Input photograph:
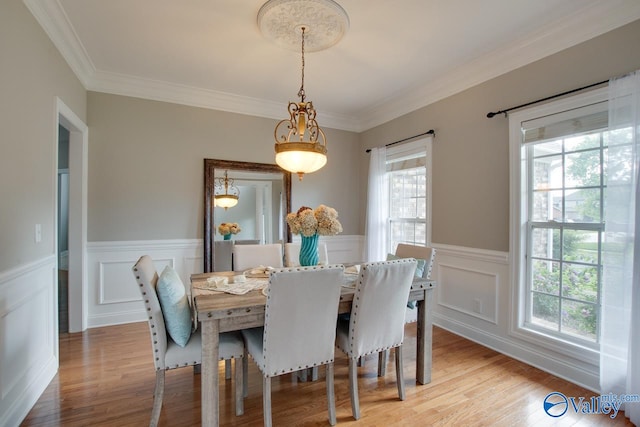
x=222 y=255
x=426 y=253
x=292 y=254
x=299 y=329
x=167 y=354
x=250 y=256
x=376 y=322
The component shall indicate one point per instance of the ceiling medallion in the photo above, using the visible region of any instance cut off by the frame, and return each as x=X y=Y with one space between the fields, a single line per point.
x=325 y=22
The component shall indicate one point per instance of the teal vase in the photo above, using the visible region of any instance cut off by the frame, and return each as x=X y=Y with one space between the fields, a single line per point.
x=227 y=236
x=309 y=250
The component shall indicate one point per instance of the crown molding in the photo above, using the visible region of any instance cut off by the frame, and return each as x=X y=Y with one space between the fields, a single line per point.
x=55 y=23
x=127 y=85
x=584 y=25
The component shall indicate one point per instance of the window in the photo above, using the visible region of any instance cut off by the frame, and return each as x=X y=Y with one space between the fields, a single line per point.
x=558 y=157
x=407 y=173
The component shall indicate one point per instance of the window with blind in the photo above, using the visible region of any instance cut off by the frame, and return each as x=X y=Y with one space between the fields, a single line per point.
x=407 y=170
x=560 y=151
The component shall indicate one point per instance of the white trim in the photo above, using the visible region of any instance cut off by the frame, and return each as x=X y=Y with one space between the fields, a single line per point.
x=496 y=257
x=144 y=245
x=78 y=192
x=21 y=270
x=109 y=269
x=588 y=23
x=53 y=19
x=476 y=271
x=27 y=291
x=582 y=375
x=517 y=227
x=577 y=366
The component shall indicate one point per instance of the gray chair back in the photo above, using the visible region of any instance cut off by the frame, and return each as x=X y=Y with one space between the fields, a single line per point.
x=300 y=318
x=419 y=252
x=378 y=311
x=250 y=256
x=147 y=278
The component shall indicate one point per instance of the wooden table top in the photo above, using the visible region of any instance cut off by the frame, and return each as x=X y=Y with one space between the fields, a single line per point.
x=207 y=302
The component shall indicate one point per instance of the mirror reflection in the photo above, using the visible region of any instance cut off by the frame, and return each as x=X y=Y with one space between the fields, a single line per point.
x=263 y=200
x=259 y=205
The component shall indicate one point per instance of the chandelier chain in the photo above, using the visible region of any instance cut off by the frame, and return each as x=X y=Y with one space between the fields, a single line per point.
x=301 y=93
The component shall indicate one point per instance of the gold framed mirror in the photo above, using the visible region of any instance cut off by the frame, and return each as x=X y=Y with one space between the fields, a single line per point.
x=214 y=169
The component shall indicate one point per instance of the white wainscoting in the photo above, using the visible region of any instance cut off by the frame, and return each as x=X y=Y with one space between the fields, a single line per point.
x=113 y=295
x=473 y=299
x=112 y=292
x=28 y=336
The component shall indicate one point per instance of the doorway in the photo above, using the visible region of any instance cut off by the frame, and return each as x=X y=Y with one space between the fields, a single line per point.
x=63 y=229
x=77 y=215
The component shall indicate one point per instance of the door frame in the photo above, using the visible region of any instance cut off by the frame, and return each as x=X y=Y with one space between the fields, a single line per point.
x=78 y=190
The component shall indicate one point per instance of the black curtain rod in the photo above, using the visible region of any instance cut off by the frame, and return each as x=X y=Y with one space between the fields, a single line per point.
x=490 y=115
x=429 y=132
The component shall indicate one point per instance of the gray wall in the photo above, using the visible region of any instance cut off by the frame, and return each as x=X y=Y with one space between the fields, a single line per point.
x=32 y=74
x=470 y=152
x=146 y=166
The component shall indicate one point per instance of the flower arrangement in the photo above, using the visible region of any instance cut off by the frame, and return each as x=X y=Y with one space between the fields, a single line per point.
x=322 y=220
x=226 y=228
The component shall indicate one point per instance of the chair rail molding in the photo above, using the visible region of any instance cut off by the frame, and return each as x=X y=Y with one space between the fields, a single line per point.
x=113 y=296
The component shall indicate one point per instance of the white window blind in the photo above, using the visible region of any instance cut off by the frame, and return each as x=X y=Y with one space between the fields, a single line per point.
x=571 y=122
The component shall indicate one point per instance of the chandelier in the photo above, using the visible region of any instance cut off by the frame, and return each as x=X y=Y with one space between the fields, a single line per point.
x=231 y=194
x=300 y=143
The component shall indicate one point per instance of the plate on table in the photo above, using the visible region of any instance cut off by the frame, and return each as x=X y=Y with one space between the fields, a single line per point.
x=260 y=272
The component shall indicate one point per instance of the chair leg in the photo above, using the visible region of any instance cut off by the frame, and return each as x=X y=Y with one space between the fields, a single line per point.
x=245 y=373
x=227 y=369
x=353 y=388
x=239 y=374
x=399 y=372
x=314 y=373
x=158 y=395
x=266 y=400
x=383 y=358
x=197 y=369
x=331 y=398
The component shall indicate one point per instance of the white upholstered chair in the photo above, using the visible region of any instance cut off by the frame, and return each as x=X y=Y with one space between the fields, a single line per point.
x=376 y=322
x=300 y=327
x=404 y=250
x=292 y=254
x=222 y=255
x=169 y=355
x=250 y=256
x=426 y=253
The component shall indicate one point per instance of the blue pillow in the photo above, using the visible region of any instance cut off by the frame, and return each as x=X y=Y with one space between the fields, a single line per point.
x=175 y=306
x=419 y=271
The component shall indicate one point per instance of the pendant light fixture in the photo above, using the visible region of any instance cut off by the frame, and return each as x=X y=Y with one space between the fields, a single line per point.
x=231 y=194
x=300 y=143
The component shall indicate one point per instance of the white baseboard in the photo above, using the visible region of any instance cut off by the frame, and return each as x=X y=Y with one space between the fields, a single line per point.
x=473 y=298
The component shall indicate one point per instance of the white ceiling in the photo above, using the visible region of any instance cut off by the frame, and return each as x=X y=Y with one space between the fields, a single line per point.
x=397 y=56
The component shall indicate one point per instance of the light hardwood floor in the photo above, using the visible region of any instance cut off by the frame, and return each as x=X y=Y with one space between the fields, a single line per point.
x=106 y=378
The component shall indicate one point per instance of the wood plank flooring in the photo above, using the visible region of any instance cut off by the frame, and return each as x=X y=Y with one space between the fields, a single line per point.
x=106 y=378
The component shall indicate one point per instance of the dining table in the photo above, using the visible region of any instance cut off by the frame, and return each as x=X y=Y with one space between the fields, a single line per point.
x=217 y=311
